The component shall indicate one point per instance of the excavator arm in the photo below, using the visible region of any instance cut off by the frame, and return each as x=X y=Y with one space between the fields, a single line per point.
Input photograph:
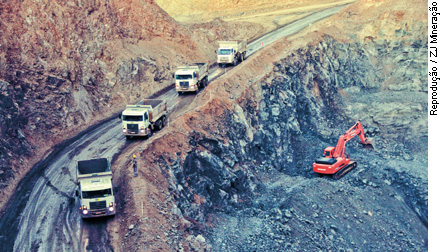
x=355 y=130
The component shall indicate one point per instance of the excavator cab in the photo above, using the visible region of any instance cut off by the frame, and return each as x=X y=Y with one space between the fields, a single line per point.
x=328 y=152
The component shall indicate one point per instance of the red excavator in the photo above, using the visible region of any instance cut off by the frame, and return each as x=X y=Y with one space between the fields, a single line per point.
x=335 y=160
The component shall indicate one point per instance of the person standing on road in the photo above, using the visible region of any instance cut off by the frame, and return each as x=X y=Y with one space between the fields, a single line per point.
x=135 y=168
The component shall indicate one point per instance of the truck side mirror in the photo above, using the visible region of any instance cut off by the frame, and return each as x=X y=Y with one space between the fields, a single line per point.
x=215 y=51
x=76 y=193
x=115 y=189
x=173 y=75
x=120 y=115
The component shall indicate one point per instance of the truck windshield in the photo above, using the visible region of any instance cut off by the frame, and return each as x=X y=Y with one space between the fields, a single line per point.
x=224 y=52
x=183 y=77
x=136 y=118
x=96 y=194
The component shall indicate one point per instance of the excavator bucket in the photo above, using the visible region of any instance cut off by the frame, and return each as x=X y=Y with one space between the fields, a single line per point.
x=369 y=144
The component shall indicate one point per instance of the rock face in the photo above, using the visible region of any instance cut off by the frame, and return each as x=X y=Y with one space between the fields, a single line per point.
x=322 y=90
x=64 y=66
x=240 y=166
x=245 y=180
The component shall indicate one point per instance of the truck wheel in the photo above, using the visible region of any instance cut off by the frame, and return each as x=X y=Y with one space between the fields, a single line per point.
x=235 y=62
x=159 y=124
x=127 y=137
x=149 y=134
x=242 y=58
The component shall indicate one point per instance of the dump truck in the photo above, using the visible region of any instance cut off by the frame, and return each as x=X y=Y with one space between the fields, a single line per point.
x=191 y=78
x=144 y=117
x=230 y=52
x=95 y=189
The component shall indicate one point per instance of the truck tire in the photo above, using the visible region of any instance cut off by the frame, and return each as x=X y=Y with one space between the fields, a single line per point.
x=149 y=133
x=159 y=124
x=127 y=137
x=241 y=57
x=235 y=61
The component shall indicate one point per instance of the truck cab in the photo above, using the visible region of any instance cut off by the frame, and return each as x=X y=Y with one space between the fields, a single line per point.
x=191 y=78
x=230 y=52
x=135 y=121
x=226 y=55
x=186 y=80
x=141 y=119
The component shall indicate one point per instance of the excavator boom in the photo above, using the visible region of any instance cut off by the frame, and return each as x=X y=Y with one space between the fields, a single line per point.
x=355 y=130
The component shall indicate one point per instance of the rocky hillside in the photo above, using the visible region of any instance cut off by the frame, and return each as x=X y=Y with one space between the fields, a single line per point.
x=65 y=66
x=239 y=164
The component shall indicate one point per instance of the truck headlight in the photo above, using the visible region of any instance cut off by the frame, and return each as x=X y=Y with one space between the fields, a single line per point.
x=85 y=211
x=111 y=209
x=124 y=130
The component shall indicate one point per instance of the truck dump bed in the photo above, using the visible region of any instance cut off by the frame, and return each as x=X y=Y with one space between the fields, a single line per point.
x=194 y=66
x=152 y=102
x=156 y=108
x=93 y=166
x=237 y=45
x=200 y=68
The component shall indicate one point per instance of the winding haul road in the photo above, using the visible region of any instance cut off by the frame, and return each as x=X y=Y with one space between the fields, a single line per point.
x=42 y=215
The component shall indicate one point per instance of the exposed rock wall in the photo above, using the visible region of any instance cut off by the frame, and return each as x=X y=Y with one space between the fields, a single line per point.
x=322 y=90
x=273 y=130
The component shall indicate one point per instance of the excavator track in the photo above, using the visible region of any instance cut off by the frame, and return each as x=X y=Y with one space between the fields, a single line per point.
x=345 y=170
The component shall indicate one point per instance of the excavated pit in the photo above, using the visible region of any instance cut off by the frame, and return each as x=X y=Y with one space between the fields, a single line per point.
x=249 y=186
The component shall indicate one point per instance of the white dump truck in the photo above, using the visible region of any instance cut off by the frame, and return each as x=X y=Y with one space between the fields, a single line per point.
x=144 y=117
x=95 y=189
x=230 y=52
x=191 y=78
